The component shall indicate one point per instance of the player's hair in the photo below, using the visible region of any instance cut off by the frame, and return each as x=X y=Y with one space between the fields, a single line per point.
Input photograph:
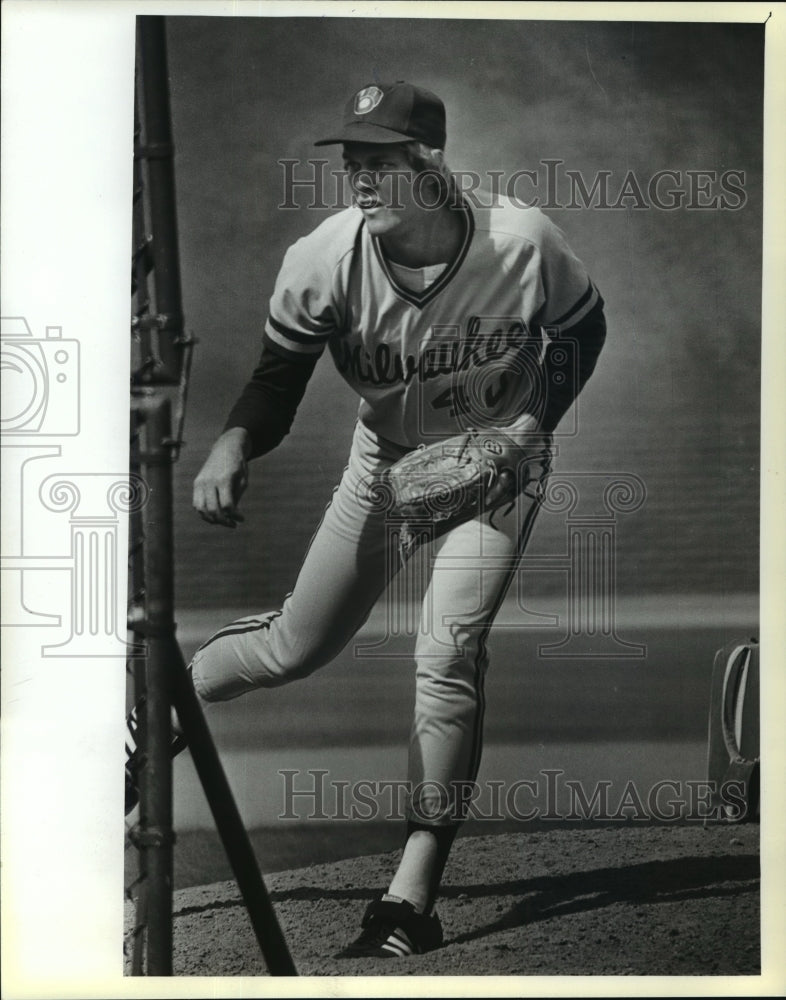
x=425 y=160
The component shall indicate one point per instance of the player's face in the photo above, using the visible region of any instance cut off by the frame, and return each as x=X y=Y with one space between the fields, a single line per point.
x=381 y=180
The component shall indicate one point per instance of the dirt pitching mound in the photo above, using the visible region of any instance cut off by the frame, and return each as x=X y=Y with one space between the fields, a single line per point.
x=625 y=901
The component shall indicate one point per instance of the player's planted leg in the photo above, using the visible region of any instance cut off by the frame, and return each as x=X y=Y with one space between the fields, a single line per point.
x=469 y=580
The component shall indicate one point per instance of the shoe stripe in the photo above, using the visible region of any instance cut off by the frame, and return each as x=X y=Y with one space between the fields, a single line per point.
x=132 y=727
x=394 y=948
x=398 y=937
x=402 y=937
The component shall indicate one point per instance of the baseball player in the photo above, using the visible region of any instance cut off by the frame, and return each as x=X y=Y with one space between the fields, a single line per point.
x=440 y=315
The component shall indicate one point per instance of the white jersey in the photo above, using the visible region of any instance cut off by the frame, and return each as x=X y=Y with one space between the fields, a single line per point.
x=464 y=351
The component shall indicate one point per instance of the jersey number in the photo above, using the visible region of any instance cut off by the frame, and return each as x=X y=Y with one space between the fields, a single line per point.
x=457 y=400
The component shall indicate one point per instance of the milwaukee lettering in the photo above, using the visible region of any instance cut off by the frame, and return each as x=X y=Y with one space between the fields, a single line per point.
x=441 y=357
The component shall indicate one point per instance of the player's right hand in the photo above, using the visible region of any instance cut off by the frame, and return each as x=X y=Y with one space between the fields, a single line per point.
x=222 y=480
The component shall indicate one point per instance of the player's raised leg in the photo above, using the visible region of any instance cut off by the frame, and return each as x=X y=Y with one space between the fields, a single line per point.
x=344 y=572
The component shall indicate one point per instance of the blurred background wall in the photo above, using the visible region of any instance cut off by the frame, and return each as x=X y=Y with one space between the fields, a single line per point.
x=675 y=398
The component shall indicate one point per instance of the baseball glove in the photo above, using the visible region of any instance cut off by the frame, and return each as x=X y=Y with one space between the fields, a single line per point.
x=439 y=486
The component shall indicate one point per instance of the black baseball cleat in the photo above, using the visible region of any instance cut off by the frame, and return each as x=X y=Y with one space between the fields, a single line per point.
x=394 y=930
x=133 y=761
x=132 y=782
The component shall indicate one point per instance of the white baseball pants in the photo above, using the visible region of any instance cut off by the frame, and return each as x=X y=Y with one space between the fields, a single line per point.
x=351 y=559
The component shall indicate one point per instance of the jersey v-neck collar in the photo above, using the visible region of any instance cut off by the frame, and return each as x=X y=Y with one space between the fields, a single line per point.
x=420 y=299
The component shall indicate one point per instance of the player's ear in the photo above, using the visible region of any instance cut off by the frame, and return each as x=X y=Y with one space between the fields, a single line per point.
x=440 y=174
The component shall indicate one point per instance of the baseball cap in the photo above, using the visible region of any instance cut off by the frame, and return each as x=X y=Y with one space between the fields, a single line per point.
x=392 y=112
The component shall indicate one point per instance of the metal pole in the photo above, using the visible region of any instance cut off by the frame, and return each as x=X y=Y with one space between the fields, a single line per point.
x=158 y=150
x=142 y=356
x=155 y=836
x=137 y=667
x=168 y=683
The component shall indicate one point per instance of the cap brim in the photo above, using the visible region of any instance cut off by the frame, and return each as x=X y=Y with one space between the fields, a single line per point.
x=365 y=132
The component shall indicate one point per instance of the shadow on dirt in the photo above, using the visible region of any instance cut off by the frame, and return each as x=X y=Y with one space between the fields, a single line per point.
x=547 y=896
x=671 y=880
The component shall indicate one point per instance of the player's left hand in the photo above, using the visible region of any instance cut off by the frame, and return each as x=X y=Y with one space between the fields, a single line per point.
x=222 y=480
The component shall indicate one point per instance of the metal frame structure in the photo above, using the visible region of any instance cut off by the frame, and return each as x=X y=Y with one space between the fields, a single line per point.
x=161 y=356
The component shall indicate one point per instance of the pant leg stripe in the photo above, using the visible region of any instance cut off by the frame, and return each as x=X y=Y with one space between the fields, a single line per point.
x=240 y=629
x=477 y=736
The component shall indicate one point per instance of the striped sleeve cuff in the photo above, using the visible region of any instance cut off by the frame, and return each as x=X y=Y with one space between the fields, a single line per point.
x=295 y=343
x=584 y=305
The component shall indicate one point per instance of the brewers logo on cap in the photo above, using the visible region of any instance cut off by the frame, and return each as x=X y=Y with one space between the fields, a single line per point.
x=367 y=99
x=391 y=113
